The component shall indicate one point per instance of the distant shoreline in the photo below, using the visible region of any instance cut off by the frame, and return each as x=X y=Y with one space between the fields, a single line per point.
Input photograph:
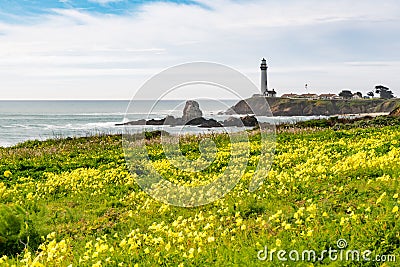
x=312 y=107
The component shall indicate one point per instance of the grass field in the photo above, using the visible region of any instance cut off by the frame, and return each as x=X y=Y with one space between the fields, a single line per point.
x=73 y=202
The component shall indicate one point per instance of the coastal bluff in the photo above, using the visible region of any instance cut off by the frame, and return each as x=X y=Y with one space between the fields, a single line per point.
x=307 y=107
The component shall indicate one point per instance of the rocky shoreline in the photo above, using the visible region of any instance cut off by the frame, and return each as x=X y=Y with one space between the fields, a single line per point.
x=192 y=115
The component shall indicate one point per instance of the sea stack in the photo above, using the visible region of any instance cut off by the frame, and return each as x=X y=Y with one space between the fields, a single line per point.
x=191 y=111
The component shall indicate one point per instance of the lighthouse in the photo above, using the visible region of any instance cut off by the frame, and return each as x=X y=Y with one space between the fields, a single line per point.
x=264 y=81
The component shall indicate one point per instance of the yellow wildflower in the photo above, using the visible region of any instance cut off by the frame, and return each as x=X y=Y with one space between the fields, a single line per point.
x=380 y=198
x=122 y=243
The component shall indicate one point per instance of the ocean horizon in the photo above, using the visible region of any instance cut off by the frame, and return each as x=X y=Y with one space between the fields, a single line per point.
x=23 y=120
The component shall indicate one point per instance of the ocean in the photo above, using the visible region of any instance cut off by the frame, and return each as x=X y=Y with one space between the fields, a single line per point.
x=39 y=120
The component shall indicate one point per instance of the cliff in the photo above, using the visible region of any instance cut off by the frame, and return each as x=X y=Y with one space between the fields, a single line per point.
x=395 y=112
x=304 y=107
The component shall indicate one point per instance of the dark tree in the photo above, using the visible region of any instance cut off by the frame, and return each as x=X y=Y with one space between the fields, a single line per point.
x=371 y=94
x=384 y=92
x=346 y=94
x=359 y=94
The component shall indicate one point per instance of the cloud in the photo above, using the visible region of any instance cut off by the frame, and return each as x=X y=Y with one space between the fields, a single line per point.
x=104 y=1
x=372 y=63
x=317 y=41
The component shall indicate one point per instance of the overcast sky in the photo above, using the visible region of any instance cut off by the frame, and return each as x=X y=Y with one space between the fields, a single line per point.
x=106 y=49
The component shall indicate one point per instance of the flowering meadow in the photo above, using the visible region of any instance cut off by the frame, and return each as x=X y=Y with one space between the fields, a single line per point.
x=73 y=202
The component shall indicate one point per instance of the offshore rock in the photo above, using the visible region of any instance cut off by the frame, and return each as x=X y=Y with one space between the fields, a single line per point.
x=233 y=121
x=191 y=111
x=249 y=121
x=210 y=124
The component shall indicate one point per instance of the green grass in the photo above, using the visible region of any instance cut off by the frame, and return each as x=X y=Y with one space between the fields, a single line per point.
x=80 y=202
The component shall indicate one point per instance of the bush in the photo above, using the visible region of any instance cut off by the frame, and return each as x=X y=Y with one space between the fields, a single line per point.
x=16 y=231
x=154 y=134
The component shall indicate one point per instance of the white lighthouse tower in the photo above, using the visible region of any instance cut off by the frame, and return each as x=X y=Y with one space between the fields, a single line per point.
x=264 y=81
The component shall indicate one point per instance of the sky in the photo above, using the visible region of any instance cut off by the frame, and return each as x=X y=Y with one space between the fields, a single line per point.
x=107 y=49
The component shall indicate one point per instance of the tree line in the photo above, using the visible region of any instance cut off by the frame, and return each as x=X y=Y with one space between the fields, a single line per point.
x=383 y=92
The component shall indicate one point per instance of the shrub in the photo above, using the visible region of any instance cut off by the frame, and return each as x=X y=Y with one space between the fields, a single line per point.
x=154 y=134
x=16 y=230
